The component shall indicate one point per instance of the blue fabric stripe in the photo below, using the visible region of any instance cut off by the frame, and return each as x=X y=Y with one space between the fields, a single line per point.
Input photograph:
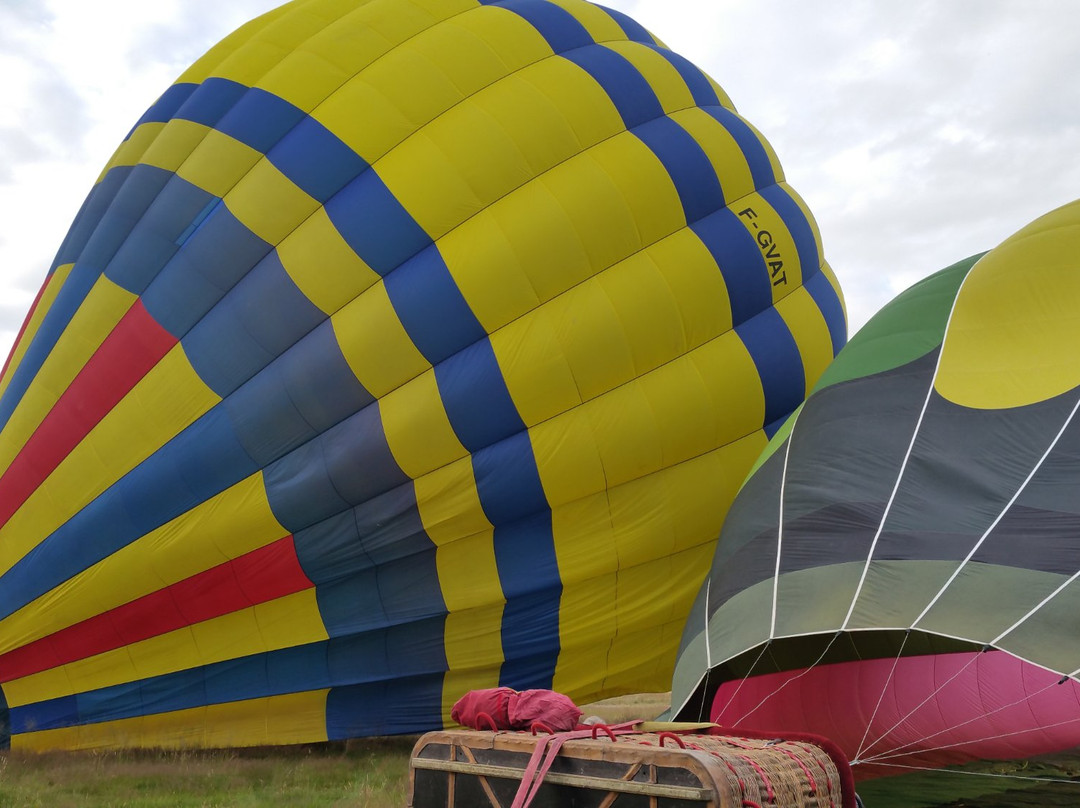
x=197 y=464
x=385 y=660
x=166 y=106
x=756 y=156
x=211 y=101
x=778 y=361
x=153 y=233
x=628 y=90
x=375 y=224
x=317 y=160
x=261 y=317
x=216 y=256
x=512 y=496
x=392 y=707
x=342 y=467
x=557 y=25
x=740 y=261
x=260 y=119
x=831 y=308
x=700 y=87
x=798 y=226
x=687 y=164
x=477 y=401
x=93 y=210
x=71 y=295
x=431 y=307
x=634 y=30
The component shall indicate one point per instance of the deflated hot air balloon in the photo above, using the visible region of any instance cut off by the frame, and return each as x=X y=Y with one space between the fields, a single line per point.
x=404 y=347
x=900 y=571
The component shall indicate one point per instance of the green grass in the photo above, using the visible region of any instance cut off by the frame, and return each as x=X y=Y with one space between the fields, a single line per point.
x=371 y=773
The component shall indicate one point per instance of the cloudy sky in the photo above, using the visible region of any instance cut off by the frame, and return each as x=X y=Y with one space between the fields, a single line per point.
x=918 y=132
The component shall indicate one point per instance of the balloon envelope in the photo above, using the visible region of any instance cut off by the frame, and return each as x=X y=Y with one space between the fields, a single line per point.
x=900 y=570
x=403 y=347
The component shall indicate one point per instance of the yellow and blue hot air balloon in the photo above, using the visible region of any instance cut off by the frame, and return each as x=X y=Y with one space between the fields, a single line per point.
x=901 y=572
x=403 y=347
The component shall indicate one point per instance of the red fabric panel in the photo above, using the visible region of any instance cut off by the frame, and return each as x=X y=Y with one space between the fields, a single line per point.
x=136 y=344
x=265 y=574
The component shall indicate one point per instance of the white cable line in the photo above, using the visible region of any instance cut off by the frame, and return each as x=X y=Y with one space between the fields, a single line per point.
x=881 y=698
x=787 y=682
x=708 y=644
x=742 y=681
x=1036 y=608
x=907 y=454
x=1062 y=781
x=900 y=749
x=1025 y=731
x=780 y=528
x=922 y=703
x=1001 y=515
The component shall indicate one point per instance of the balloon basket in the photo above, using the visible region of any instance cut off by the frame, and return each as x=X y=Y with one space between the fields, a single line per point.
x=595 y=768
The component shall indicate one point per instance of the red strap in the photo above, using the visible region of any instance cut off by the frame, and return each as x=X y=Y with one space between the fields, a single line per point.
x=546 y=751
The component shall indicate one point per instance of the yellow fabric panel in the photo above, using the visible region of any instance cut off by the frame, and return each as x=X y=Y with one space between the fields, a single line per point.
x=580 y=217
x=375 y=344
x=1012 y=336
x=417 y=427
x=811 y=333
x=218 y=162
x=725 y=154
x=130 y=152
x=427 y=71
x=33 y=323
x=775 y=241
x=537 y=374
x=304 y=78
x=322 y=264
x=497 y=140
x=630 y=431
x=472 y=642
x=449 y=505
x=288 y=719
x=282 y=623
x=175 y=142
x=268 y=203
x=661 y=74
x=468 y=574
x=105 y=304
x=170 y=397
x=618 y=176
x=721 y=94
x=236 y=521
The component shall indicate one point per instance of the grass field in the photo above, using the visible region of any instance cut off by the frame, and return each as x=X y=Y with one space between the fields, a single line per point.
x=373 y=773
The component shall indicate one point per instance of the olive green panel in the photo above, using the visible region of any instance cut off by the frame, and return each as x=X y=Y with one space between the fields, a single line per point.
x=740 y=623
x=1050 y=636
x=816 y=599
x=986 y=599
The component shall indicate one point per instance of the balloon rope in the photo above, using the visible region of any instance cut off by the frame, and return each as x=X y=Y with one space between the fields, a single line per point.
x=907 y=455
x=997 y=520
x=780 y=526
x=787 y=682
x=921 y=704
x=904 y=748
x=876 y=758
x=881 y=698
x=982 y=774
x=742 y=681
